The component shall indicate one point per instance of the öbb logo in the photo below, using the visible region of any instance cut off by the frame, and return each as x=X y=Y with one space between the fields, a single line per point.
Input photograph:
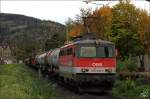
x=97 y=64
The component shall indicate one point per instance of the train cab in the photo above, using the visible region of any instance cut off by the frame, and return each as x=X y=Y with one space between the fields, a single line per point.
x=88 y=61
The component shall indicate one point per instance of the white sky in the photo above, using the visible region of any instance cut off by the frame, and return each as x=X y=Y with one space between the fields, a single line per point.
x=57 y=10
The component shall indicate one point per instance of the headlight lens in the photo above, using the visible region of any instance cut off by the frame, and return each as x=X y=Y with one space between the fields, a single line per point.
x=84 y=70
x=108 y=70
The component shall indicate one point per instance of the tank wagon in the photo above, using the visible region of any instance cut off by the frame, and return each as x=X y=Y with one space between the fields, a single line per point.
x=31 y=61
x=86 y=62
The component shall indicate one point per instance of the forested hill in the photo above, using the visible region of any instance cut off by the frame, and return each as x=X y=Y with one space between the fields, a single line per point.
x=27 y=35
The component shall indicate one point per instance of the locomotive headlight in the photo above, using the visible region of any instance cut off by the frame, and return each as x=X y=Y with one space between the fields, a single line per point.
x=108 y=70
x=84 y=70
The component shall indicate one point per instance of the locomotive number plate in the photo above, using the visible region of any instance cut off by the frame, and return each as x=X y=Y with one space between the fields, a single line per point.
x=97 y=70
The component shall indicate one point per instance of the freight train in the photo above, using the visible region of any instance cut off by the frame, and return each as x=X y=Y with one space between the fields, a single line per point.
x=87 y=63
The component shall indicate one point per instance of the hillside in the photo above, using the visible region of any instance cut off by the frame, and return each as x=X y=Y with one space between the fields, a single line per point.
x=27 y=35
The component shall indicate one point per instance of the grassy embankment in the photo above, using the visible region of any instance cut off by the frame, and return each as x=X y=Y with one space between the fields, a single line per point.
x=18 y=81
x=134 y=89
x=131 y=87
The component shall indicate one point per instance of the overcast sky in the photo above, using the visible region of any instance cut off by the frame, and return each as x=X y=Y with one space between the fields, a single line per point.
x=58 y=10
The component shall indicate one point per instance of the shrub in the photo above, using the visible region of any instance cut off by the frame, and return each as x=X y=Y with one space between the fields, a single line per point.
x=128 y=64
x=131 y=88
x=123 y=86
x=131 y=64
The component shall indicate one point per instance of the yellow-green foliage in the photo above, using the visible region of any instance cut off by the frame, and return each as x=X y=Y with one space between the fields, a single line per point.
x=18 y=81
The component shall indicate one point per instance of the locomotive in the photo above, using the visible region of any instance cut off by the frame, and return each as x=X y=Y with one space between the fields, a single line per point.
x=86 y=62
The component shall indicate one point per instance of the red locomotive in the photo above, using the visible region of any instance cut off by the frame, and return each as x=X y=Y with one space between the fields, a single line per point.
x=86 y=62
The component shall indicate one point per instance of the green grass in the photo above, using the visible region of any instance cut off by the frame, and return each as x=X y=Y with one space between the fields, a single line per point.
x=18 y=81
x=131 y=88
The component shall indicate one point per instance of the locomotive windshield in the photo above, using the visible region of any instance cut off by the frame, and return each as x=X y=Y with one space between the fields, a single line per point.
x=92 y=51
x=88 y=51
x=105 y=52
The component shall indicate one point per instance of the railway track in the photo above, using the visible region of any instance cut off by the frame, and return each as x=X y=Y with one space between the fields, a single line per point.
x=69 y=92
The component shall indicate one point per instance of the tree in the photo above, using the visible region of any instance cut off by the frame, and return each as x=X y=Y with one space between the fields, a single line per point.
x=130 y=27
x=76 y=30
x=102 y=24
x=148 y=36
x=54 y=42
x=98 y=21
x=125 y=29
x=77 y=27
x=144 y=31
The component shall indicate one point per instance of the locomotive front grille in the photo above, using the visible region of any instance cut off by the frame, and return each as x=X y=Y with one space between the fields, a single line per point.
x=86 y=77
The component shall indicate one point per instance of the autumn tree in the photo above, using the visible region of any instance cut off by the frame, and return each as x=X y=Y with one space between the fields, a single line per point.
x=144 y=34
x=144 y=26
x=98 y=21
x=124 y=29
x=76 y=30
x=102 y=24
x=129 y=29
x=77 y=27
x=148 y=36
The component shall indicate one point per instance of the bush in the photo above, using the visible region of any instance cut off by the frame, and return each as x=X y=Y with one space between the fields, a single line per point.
x=120 y=65
x=131 y=88
x=123 y=86
x=128 y=64
x=131 y=64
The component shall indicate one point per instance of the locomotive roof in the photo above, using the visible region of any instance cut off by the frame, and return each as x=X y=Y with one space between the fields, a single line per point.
x=93 y=41
x=88 y=41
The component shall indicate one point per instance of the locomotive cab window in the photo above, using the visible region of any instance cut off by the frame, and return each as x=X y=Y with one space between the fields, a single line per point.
x=105 y=51
x=96 y=51
x=66 y=52
x=69 y=51
x=61 y=53
x=88 y=52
